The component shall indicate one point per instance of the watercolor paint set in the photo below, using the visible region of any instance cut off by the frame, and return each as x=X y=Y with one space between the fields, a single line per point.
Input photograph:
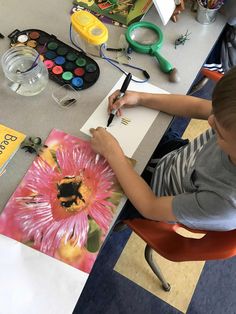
x=65 y=64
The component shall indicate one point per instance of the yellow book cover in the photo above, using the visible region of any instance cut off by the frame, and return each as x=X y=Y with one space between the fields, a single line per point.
x=10 y=141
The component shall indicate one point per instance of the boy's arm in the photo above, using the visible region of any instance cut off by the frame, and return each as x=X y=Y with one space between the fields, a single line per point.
x=139 y=193
x=177 y=105
x=134 y=187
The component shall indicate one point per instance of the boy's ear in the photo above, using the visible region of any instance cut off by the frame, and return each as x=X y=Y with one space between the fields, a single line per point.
x=211 y=121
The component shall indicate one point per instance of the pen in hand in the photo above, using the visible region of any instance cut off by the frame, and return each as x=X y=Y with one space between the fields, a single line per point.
x=122 y=92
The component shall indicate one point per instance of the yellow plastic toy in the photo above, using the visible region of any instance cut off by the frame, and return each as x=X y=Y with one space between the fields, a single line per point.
x=88 y=31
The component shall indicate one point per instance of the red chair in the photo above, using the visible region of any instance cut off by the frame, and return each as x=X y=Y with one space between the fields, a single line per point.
x=213 y=75
x=206 y=76
x=162 y=238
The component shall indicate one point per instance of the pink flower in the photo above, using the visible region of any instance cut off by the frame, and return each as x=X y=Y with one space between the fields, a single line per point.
x=55 y=203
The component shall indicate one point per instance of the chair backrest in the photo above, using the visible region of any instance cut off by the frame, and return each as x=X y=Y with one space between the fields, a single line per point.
x=213 y=75
x=162 y=238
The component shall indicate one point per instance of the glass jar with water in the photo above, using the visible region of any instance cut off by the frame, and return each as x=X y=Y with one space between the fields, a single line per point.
x=25 y=71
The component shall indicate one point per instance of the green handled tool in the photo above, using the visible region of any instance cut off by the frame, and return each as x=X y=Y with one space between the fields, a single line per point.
x=145 y=37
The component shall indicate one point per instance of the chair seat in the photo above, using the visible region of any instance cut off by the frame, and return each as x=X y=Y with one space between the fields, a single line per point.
x=162 y=238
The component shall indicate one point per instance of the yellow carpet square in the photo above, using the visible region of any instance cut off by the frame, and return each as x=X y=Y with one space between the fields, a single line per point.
x=195 y=128
x=183 y=277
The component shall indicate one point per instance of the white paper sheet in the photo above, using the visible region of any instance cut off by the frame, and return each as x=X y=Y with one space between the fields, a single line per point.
x=34 y=283
x=165 y=8
x=131 y=127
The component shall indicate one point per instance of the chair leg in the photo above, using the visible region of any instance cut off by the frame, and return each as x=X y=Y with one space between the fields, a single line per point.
x=199 y=85
x=155 y=268
x=119 y=226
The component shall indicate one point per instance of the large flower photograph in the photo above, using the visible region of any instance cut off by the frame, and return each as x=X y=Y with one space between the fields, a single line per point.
x=65 y=203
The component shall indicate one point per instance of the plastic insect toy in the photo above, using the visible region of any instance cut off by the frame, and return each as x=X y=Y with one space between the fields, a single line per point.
x=182 y=39
x=33 y=145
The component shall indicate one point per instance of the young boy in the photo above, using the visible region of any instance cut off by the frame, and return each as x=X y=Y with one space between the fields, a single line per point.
x=195 y=184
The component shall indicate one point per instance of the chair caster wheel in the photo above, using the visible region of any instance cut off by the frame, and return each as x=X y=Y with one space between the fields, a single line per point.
x=166 y=287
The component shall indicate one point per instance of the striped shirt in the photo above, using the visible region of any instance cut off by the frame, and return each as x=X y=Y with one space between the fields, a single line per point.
x=170 y=170
x=202 y=180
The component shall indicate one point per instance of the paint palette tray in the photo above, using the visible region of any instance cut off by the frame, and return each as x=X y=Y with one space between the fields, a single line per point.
x=65 y=64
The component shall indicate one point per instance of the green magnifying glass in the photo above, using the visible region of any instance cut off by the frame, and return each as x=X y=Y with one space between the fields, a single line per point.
x=145 y=37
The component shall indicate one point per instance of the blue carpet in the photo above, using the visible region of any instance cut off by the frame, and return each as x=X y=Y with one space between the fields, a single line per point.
x=107 y=292
x=215 y=292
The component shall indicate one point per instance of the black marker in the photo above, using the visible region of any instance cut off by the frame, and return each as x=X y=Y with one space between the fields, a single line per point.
x=122 y=92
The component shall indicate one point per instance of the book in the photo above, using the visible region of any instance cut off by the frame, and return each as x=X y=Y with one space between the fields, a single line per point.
x=102 y=18
x=66 y=202
x=122 y=11
x=10 y=141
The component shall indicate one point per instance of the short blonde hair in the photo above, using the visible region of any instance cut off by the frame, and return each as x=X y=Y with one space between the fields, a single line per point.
x=224 y=100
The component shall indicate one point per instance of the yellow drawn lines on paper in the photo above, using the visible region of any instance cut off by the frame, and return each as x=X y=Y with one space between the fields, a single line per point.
x=125 y=120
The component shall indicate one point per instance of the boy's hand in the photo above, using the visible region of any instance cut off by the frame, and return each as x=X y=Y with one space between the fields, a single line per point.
x=130 y=99
x=104 y=143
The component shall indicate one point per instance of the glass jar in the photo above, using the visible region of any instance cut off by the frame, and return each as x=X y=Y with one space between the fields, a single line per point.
x=26 y=73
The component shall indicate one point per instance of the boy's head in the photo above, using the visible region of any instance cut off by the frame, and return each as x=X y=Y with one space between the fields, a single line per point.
x=223 y=118
x=224 y=100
